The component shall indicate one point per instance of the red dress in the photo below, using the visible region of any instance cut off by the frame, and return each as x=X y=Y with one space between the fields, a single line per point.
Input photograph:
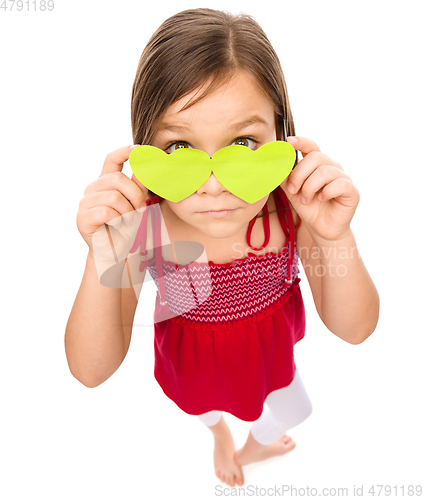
x=230 y=351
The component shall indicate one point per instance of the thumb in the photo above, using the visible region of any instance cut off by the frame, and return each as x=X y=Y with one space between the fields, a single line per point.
x=294 y=199
x=140 y=185
x=283 y=186
x=115 y=160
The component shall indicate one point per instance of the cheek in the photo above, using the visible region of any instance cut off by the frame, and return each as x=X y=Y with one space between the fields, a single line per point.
x=258 y=206
x=180 y=209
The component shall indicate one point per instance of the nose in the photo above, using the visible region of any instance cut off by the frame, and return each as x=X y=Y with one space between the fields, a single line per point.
x=212 y=186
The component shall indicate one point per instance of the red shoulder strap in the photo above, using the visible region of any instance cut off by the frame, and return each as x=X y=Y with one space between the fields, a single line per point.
x=141 y=239
x=266 y=229
x=286 y=220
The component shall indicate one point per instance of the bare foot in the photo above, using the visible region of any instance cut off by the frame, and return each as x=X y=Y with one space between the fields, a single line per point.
x=226 y=468
x=253 y=451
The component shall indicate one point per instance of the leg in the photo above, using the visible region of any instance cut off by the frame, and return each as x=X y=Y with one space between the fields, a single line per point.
x=211 y=418
x=288 y=407
x=226 y=469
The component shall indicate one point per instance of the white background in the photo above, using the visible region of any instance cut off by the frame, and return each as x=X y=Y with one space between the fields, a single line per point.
x=354 y=76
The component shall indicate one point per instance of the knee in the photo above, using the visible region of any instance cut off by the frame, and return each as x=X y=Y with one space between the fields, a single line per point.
x=300 y=412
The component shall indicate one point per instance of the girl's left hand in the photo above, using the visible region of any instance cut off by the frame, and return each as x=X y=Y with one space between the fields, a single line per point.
x=318 y=175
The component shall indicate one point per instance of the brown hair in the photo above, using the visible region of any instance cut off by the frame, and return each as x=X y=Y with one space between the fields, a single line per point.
x=188 y=49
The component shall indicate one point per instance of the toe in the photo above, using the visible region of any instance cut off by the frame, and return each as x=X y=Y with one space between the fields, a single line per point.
x=291 y=445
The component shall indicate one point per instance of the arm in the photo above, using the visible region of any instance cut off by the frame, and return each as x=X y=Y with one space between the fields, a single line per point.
x=325 y=198
x=98 y=331
x=99 y=327
x=345 y=296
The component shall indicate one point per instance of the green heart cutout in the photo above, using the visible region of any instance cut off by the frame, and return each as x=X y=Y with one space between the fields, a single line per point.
x=249 y=175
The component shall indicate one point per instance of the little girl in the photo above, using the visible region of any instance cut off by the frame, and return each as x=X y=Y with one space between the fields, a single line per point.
x=208 y=79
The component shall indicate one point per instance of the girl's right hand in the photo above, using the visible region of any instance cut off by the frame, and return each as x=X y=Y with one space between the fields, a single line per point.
x=111 y=199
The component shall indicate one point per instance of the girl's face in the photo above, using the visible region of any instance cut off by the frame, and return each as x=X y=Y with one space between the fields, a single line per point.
x=235 y=113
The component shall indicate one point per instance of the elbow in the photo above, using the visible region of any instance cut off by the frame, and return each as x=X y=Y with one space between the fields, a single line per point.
x=85 y=377
x=92 y=379
x=352 y=337
x=367 y=330
x=372 y=326
x=91 y=384
x=82 y=376
x=87 y=382
x=356 y=338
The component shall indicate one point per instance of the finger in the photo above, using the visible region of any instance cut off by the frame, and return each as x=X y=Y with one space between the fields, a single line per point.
x=109 y=198
x=100 y=215
x=115 y=159
x=140 y=185
x=303 y=144
x=305 y=168
x=319 y=178
x=121 y=184
x=343 y=190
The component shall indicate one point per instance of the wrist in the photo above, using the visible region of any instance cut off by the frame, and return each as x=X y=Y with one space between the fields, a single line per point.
x=345 y=238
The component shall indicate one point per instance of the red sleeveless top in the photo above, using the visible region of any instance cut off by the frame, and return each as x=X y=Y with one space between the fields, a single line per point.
x=234 y=347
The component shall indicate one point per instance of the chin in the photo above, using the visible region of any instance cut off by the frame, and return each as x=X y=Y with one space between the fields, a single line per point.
x=220 y=232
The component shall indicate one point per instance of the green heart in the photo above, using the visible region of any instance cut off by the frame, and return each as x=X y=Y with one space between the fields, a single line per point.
x=249 y=175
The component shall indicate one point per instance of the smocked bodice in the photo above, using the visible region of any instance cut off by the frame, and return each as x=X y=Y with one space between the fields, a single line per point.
x=218 y=295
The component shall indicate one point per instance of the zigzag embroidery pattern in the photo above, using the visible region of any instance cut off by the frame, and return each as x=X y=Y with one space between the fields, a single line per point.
x=219 y=294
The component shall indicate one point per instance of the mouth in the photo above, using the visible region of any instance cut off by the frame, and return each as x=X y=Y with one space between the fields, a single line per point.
x=218 y=213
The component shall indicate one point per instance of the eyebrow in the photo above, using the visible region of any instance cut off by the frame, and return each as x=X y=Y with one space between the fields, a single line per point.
x=253 y=120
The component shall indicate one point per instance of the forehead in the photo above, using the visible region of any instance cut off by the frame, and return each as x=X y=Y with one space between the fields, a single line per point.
x=240 y=94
